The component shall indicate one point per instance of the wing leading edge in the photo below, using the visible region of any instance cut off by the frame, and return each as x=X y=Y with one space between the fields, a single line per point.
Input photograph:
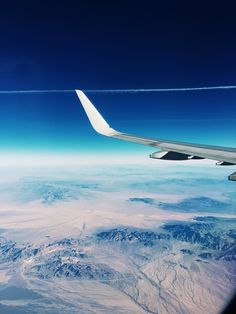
x=169 y=150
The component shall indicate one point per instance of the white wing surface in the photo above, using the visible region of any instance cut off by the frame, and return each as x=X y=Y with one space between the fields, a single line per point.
x=168 y=150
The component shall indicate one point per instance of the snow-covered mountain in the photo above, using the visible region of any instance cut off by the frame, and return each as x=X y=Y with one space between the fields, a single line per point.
x=161 y=262
x=124 y=240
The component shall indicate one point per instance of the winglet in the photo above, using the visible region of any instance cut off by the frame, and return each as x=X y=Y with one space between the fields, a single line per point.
x=95 y=118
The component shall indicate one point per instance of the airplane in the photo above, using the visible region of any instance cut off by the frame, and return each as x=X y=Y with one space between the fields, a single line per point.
x=168 y=150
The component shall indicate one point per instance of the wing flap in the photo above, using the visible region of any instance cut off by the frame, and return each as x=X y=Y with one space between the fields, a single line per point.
x=202 y=151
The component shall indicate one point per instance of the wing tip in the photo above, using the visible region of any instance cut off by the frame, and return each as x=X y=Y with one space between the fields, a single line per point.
x=98 y=122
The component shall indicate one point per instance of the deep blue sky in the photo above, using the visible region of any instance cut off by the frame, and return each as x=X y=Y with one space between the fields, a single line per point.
x=113 y=45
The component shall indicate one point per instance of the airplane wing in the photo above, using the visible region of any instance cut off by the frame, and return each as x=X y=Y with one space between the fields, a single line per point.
x=168 y=150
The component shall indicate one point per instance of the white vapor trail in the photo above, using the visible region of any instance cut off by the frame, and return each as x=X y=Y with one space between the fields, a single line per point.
x=37 y=91
x=153 y=90
x=138 y=90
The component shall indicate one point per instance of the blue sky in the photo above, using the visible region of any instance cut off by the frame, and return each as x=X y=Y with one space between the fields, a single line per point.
x=53 y=123
x=116 y=45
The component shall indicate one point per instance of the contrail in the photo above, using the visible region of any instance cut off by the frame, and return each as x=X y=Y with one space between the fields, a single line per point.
x=119 y=91
x=153 y=90
x=37 y=91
